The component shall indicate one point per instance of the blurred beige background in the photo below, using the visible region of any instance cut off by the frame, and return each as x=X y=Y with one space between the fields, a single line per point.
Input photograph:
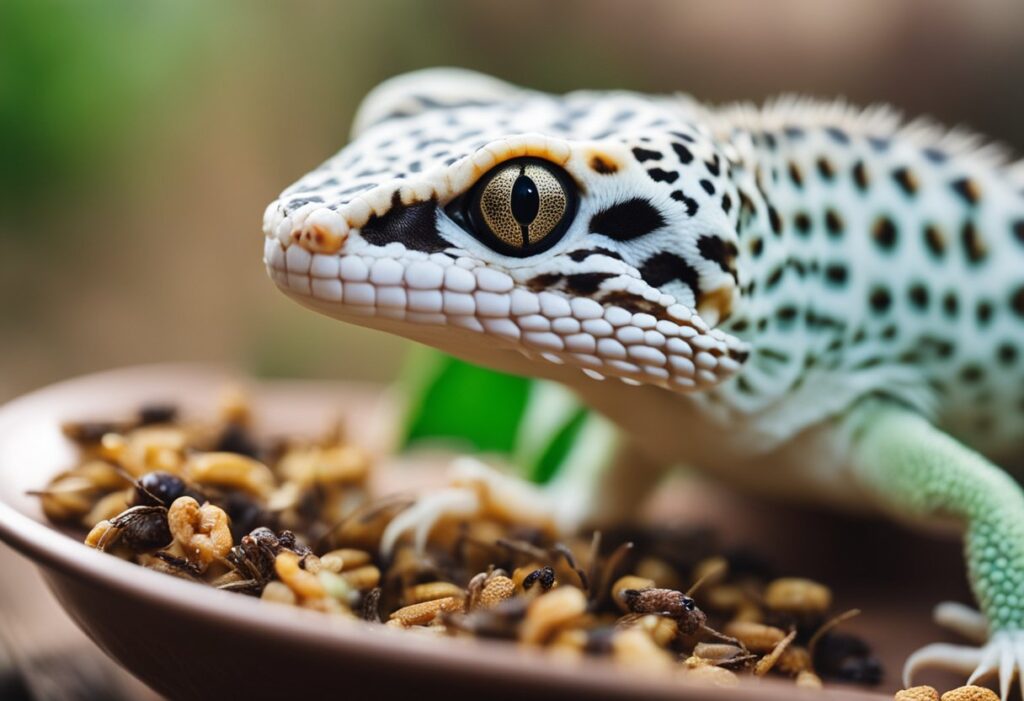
x=140 y=142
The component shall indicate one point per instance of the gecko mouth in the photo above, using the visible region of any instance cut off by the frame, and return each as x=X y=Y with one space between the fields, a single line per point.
x=675 y=350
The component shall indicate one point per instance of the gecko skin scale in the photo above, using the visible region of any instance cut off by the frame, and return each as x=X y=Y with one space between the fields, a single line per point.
x=759 y=292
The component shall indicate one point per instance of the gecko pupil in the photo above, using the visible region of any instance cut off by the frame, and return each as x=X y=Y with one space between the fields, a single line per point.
x=525 y=200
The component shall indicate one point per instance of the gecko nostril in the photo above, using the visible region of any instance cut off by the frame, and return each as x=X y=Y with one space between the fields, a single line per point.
x=319 y=239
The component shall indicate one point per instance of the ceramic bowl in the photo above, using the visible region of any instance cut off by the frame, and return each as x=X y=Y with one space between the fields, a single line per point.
x=189 y=641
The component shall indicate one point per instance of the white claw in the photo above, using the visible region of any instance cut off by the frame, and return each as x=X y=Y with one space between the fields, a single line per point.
x=1019 y=651
x=1003 y=654
x=989 y=660
x=955 y=658
x=1007 y=669
x=421 y=517
x=962 y=620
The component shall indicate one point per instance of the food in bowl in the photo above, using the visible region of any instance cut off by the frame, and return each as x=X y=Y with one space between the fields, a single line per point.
x=295 y=522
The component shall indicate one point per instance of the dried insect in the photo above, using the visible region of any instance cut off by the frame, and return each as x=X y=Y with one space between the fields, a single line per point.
x=667 y=602
x=545 y=576
x=159 y=489
x=140 y=529
x=157 y=414
x=371 y=605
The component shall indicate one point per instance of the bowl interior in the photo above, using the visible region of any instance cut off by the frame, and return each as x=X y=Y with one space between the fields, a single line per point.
x=893 y=576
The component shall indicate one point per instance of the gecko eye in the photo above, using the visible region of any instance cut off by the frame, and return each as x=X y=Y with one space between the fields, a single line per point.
x=521 y=207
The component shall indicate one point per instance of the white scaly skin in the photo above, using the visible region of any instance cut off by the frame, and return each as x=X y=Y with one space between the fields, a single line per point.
x=773 y=287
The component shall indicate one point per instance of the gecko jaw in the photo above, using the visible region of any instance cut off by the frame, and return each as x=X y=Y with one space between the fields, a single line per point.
x=677 y=351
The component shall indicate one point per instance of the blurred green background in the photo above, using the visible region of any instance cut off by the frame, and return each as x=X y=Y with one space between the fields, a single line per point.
x=140 y=141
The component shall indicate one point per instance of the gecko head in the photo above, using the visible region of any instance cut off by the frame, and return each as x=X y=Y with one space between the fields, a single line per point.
x=594 y=230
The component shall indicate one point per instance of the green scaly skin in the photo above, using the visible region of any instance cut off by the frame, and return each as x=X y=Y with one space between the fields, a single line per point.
x=916 y=470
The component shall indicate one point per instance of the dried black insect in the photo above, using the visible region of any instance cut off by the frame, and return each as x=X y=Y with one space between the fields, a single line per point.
x=235 y=438
x=245 y=513
x=847 y=658
x=157 y=414
x=371 y=605
x=180 y=564
x=250 y=587
x=501 y=621
x=159 y=489
x=545 y=576
x=139 y=528
x=254 y=556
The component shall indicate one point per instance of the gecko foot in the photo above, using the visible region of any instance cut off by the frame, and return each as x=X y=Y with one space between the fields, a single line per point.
x=1002 y=654
x=475 y=489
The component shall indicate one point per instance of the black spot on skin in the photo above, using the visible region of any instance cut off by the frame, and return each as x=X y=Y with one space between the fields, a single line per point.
x=689 y=202
x=414 y=226
x=825 y=168
x=603 y=166
x=684 y=154
x=836 y=274
x=663 y=176
x=860 y=176
x=775 y=278
x=627 y=220
x=708 y=186
x=769 y=140
x=301 y=201
x=934 y=240
x=935 y=155
x=906 y=180
x=1007 y=353
x=718 y=251
x=833 y=222
x=665 y=267
x=950 y=304
x=795 y=175
x=984 y=312
x=1018 y=231
x=726 y=203
x=544 y=281
x=974 y=246
x=775 y=220
x=1017 y=301
x=802 y=222
x=635 y=304
x=645 y=154
x=971 y=373
x=880 y=299
x=757 y=247
x=890 y=332
x=879 y=143
x=884 y=233
x=918 y=296
x=793 y=132
x=786 y=315
x=837 y=135
x=581 y=254
x=713 y=166
x=586 y=283
x=967 y=189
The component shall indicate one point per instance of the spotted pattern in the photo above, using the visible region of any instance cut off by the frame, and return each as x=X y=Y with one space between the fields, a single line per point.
x=852 y=253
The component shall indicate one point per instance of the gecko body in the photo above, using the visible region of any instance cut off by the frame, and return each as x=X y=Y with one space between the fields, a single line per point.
x=759 y=292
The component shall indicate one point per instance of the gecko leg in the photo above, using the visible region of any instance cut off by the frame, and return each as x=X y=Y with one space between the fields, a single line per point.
x=589 y=484
x=915 y=470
